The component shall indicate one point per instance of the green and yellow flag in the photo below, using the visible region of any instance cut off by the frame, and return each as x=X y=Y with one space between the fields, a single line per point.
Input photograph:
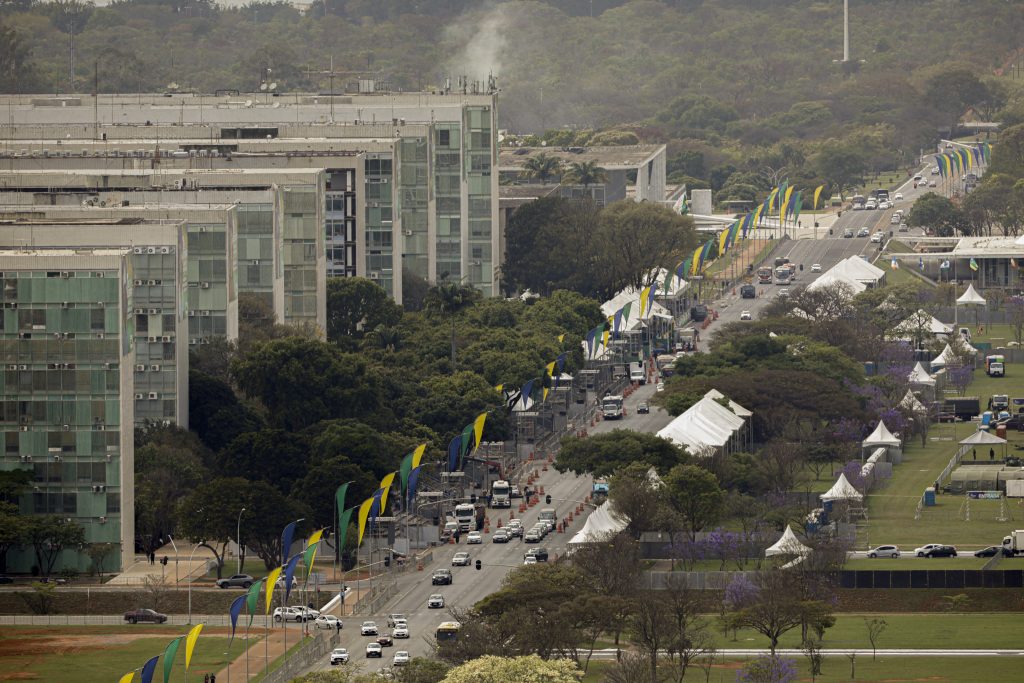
x=190 y=643
x=723 y=239
x=364 y=512
x=252 y=599
x=478 y=428
x=309 y=556
x=271 y=583
x=697 y=261
x=172 y=649
x=385 y=484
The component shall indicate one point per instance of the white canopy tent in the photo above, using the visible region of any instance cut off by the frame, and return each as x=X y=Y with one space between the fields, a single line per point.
x=982 y=438
x=911 y=403
x=704 y=427
x=921 y=321
x=920 y=376
x=602 y=523
x=842 y=490
x=968 y=298
x=789 y=544
x=880 y=437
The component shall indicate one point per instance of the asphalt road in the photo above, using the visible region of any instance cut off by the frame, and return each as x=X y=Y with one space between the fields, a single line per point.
x=811 y=246
x=497 y=559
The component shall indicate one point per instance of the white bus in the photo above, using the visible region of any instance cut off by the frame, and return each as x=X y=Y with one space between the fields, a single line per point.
x=783 y=275
x=611 y=407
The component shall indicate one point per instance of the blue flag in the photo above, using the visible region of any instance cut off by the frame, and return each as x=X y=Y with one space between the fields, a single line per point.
x=560 y=362
x=289 y=572
x=524 y=395
x=454 y=446
x=234 y=611
x=148 y=670
x=414 y=478
x=287 y=536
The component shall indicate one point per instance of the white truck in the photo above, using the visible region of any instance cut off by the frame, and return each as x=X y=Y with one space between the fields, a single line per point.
x=1014 y=543
x=611 y=407
x=501 y=494
x=636 y=372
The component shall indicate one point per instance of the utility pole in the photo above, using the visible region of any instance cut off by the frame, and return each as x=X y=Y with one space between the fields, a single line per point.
x=846 y=30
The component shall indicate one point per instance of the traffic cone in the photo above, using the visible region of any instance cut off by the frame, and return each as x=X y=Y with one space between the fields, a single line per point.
x=451 y=540
x=559 y=527
x=540 y=490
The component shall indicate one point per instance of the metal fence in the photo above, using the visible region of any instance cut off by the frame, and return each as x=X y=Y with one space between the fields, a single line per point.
x=302 y=657
x=117 y=619
x=931 y=578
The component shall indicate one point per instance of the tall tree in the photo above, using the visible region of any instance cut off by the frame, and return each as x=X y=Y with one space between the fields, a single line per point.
x=49 y=536
x=356 y=306
x=14 y=530
x=446 y=299
x=585 y=173
x=542 y=167
x=638 y=238
x=694 y=494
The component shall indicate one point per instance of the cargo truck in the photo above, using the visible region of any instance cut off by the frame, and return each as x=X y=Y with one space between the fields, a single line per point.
x=748 y=291
x=611 y=407
x=995 y=366
x=964 y=408
x=470 y=516
x=501 y=494
x=636 y=372
x=1014 y=543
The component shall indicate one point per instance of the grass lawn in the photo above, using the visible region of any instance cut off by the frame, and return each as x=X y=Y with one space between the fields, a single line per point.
x=104 y=653
x=967 y=631
x=998 y=335
x=924 y=563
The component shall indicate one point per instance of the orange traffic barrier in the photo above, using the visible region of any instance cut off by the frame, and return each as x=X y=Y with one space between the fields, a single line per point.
x=530 y=457
x=540 y=490
x=419 y=566
x=545 y=468
x=499 y=522
x=570 y=516
x=451 y=540
x=559 y=527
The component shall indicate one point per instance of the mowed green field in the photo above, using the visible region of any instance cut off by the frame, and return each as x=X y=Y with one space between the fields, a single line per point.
x=883 y=670
x=90 y=654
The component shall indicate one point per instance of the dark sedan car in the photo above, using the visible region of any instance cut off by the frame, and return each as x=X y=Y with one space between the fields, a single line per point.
x=942 y=551
x=143 y=615
x=441 y=577
x=643 y=408
x=990 y=551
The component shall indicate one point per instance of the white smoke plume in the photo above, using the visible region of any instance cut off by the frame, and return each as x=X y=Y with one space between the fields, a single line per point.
x=482 y=37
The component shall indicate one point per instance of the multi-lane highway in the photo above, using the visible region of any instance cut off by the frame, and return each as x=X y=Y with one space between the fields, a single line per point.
x=497 y=559
x=824 y=246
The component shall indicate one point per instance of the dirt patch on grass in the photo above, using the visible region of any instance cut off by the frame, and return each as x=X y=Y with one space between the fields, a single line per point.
x=62 y=645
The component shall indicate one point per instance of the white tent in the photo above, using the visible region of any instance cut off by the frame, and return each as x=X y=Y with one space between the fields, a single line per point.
x=704 y=427
x=789 y=544
x=911 y=403
x=970 y=297
x=880 y=437
x=920 y=376
x=922 y=320
x=982 y=438
x=830 y=278
x=715 y=394
x=602 y=523
x=842 y=490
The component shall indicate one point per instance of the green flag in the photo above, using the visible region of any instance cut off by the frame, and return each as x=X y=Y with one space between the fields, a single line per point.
x=403 y=470
x=307 y=558
x=172 y=649
x=339 y=496
x=467 y=439
x=344 y=519
x=252 y=598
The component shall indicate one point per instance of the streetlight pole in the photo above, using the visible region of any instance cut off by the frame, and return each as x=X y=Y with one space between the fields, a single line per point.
x=171 y=538
x=284 y=601
x=238 y=539
x=191 y=555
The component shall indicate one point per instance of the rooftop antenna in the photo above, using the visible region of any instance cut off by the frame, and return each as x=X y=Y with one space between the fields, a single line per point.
x=846 y=30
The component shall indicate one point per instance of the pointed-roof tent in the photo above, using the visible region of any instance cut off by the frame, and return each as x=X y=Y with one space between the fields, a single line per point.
x=911 y=403
x=982 y=438
x=913 y=323
x=947 y=356
x=602 y=523
x=880 y=437
x=971 y=296
x=920 y=376
x=842 y=490
x=789 y=544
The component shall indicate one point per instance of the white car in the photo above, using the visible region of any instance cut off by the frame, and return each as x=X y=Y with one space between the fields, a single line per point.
x=435 y=601
x=401 y=658
x=339 y=655
x=892 y=551
x=898 y=197
x=925 y=549
x=460 y=560
x=297 y=614
x=745 y=315
x=660 y=386
x=816 y=268
x=400 y=631
x=328 y=621
x=530 y=559
x=884 y=205
x=374 y=650
x=369 y=628
x=474 y=537
x=877 y=238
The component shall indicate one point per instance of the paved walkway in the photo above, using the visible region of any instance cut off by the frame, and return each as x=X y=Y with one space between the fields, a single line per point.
x=262 y=651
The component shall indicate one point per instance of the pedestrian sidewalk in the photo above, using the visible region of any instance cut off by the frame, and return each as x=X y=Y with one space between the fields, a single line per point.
x=263 y=650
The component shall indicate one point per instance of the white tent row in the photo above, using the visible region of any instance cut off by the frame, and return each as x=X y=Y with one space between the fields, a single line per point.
x=602 y=523
x=947 y=357
x=910 y=403
x=868 y=467
x=705 y=426
x=632 y=296
x=853 y=271
x=921 y=321
x=828 y=279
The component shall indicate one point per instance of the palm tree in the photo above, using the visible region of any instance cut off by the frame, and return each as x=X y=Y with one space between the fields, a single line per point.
x=542 y=167
x=448 y=298
x=586 y=173
x=387 y=337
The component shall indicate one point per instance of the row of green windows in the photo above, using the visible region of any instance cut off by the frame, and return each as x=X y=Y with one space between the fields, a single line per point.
x=41 y=442
x=64 y=503
x=65 y=381
x=57 y=289
x=57 y=318
x=43 y=348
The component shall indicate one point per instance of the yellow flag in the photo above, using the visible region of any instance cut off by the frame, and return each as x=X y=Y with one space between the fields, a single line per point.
x=544 y=397
x=364 y=512
x=551 y=369
x=315 y=537
x=644 y=293
x=772 y=197
x=499 y=388
x=190 y=643
x=561 y=338
x=478 y=428
x=271 y=583
x=789 y=193
x=757 y=214
x=605 y=339
x=417 y=454
x=817 y=194
x=695 y=267
x=722 y=239
x=128 y=677
x=385 y=484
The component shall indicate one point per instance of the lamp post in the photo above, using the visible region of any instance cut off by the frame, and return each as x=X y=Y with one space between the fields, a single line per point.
x=191 y=555
x=238 y=539
x=284 y=601
x=171 y=539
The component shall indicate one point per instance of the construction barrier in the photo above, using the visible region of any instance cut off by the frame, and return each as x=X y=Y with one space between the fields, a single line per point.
x=540 y=490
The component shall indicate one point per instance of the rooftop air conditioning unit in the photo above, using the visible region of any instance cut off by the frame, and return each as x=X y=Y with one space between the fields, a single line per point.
x=103 y=520
x=137 y=250
x=374 y=276
x=109 y=457
x=204 y=285
x=150 y=250
x=101 y=335
x=153 y=395
x=65 y=274
x=26 y=458
x=154 y=311
x=255 y=262
x=205 y=314
x=152 y=282
x=191 y=314
x=154 y=368
x=167 y=338
x=56 y=458
x=139 y=397
x=140 y=368
x=140 y=311
x=23 y=367
x=165 y=250
x=64 y=304
x=12 y=366
x=137 y=283
x=24 y=428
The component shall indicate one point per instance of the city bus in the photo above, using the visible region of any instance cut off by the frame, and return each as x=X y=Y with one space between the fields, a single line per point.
x=783 y=275
x=764 y=275
x=447 y=631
